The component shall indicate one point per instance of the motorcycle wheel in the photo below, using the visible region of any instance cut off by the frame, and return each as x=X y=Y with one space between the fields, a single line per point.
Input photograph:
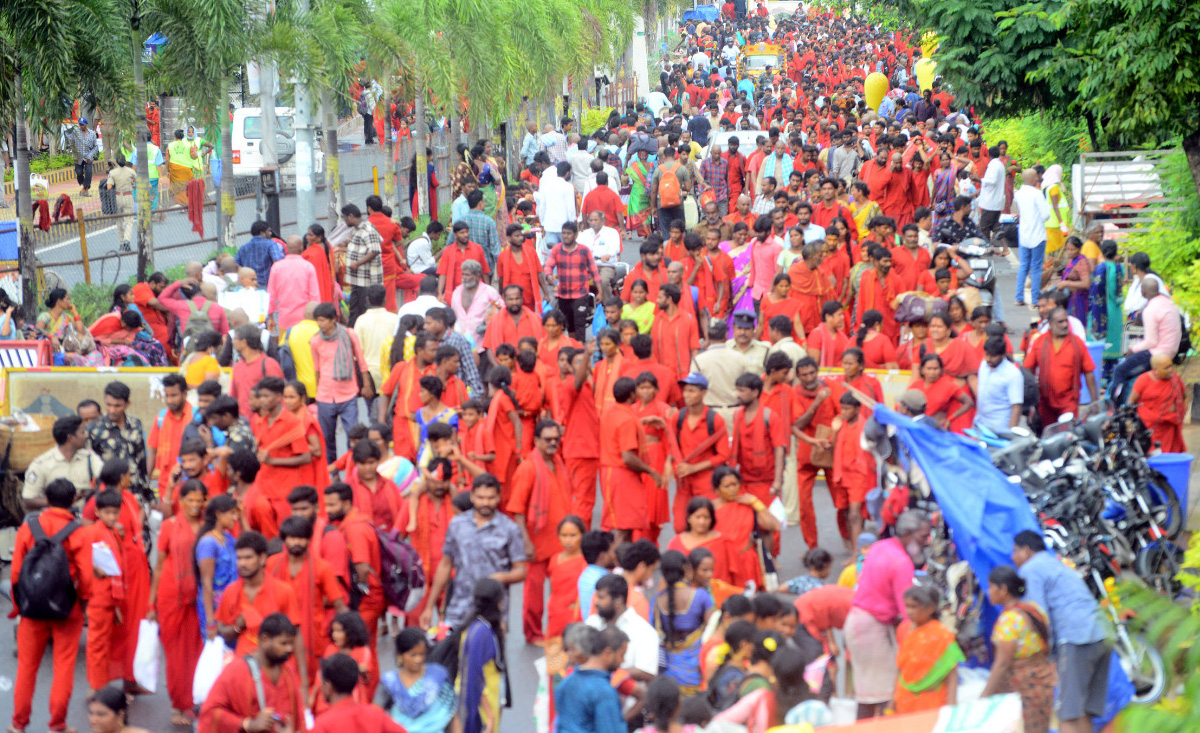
x=1145 y=669
x=1158 y=564
x=1164 y=502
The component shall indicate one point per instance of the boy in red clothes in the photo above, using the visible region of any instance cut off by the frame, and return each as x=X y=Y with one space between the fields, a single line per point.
x=108 y=593
x=853 y=467
x=581 y=420
x=1159 y=396
x=621 y=444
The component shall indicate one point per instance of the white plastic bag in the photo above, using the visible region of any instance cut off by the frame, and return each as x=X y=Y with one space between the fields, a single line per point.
x=145 y=657
x=212 y=661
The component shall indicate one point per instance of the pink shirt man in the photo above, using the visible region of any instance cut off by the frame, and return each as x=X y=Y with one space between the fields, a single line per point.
x=293 y=286
x=1161 y=320
x=172 y=299
x=328 y=388
x=887 y=572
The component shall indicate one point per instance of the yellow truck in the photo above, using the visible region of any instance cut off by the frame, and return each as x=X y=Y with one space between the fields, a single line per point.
x=756 y=57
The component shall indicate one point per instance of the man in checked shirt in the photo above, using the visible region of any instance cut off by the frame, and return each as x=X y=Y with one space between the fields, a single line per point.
x=364 y=259
x=575 y=267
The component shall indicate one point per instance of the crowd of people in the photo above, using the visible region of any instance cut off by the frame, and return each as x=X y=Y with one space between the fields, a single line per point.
x=536 y=416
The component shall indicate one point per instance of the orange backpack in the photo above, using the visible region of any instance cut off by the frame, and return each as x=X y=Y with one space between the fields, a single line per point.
x=669 y=193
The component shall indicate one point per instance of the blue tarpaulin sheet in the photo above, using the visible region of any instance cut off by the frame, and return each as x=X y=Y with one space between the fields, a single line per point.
x=706 y=13
x=983 y=510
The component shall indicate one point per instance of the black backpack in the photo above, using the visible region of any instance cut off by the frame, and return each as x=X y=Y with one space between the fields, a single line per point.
x=710 y=420
x=1185 y=341
x=287 y=361
x=45 y=590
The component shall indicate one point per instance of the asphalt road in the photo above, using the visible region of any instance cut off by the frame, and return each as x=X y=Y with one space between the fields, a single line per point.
x=153 y=712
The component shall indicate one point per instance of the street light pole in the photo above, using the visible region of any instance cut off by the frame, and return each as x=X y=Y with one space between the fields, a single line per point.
x=305 y=139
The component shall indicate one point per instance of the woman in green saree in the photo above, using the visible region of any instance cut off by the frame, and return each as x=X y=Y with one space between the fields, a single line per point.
x=637 y=212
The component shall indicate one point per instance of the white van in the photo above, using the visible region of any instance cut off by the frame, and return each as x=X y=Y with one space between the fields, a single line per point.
x=247 y=139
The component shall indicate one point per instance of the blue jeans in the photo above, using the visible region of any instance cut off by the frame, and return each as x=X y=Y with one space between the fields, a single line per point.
x=552 y=238
x=328 y=414
x=1030 y=262
x=1124 y=373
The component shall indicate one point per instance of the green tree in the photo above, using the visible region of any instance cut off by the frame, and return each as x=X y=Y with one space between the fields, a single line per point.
x=53 y=52
x=1137 y=66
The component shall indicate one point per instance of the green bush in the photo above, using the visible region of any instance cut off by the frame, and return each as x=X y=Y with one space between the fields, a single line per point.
x=594 y=119
x=1043 y=139
x=45 y=162
x=1173 y=239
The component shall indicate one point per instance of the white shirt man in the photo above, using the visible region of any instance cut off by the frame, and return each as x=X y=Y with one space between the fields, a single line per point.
x=999 y=389
x=581 y=167
x=1032 y=212
x=605 y=242
x=991 y=187
x=700 y=60
x=420 y=254
x=642 y=654
x=555 y=199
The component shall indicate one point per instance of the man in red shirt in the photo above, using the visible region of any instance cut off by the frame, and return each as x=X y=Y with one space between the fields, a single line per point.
x=643 y=349
x=621 y=465
x=828 y=341
x=145 y=296
x=650 y=269
x=389 y=232
x=282 y=447
x=759 y=440
x=812 y=428
x=253 y=597
x=581 y=441
x=703 y=445
x=676 y=339
x=517 y=322
x=316 y=586
x=449 y=270
x=741 y=212
x=538 y=501
x=878 y=291
x=162 y=447
x=252 y=366
x=828 y=208
x=910 y=260
x=737 y=172
x=362 y=542
x=34 y=634
x=519 y=265
x=233 y=705
x=605 y=200
x=339 y=677
x=1058 y=362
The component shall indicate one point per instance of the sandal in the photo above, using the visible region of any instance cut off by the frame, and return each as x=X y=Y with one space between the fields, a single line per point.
x=178 y=717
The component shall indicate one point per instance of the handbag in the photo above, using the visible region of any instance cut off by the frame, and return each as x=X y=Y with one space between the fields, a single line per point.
x=822 y=457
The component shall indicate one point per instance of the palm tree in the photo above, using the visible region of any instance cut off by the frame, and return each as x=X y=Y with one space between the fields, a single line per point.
x=207 y=42
x=52 y=53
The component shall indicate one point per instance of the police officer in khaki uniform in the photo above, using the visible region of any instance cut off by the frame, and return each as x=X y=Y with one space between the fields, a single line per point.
x=721 y=368
x=71 y=459
x=123 y=179
x=752 y=351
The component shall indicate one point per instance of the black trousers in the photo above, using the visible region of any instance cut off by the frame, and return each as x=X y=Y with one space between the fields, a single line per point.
x=575 y=309
x=989 y=223
x=368 y=129
x=83 y=174
x=666 y=215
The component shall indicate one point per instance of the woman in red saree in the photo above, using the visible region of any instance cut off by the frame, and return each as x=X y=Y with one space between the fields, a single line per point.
x=701 y=533
x=738 y=513
x=957 y=359
x=295 y=401
x=974 y=337
x=908 y=355
x=607 y=370
x=318 y=254
x=877 y=349
x=945 y=400
x=778 y=303
x=927 y=657
x=554 y=323
x=174 y=592
x=502 y=425
x=854 y=376
x=564 y=571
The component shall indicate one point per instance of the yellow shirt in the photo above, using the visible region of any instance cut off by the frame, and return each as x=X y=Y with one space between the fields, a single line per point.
x=1090 y=250
x=298 y=337
x=195 y=370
